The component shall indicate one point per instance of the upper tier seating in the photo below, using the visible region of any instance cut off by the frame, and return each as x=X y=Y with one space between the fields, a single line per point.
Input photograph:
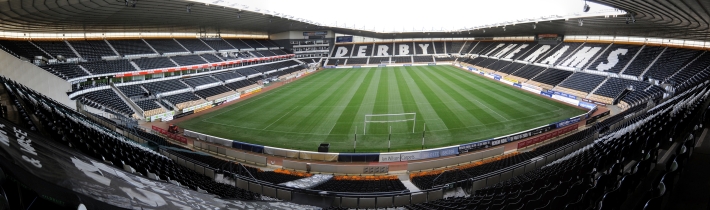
x=93 y=49
x=238 y=43
x=424 y=59
x=642 y=61
x=526 y=71
x=166 y=46
x=552 y=76
x=454 y=47
x=622 y=60
x=132 y=90
x=23 y=48
x=419 y=51
x=211 y=58
x=105 y=67
x=203 y=80
x=55 y=48
x=694 y=68
x=613 y=86
x=481 y=47
x=467 y=47
x=439 y=48
x=194 y=45
x=486 y=62
x=213 y=91
x=253 y=43
x=368 y=50
x=583 y=82
x=571 y=48
x=188 y=60
x=154 y=63
x=131 y=47
x=109 y=99
x=65 y=71
x=385 y=184
x=164 y=86
x=447 y=46
x=266 y=43
x=672 y=60
x=218 y=44
x=266 y=53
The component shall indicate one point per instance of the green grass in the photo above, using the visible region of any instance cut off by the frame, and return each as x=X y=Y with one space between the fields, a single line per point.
x=457 y=107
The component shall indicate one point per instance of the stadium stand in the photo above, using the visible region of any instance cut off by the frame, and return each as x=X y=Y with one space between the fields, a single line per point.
x=379 y=60
x=239 y=84
x=423 y=48
x=211 y=58
x=65 y=71
x=403 y=48
x=164 y=86
x=131 y=47
x=92 y=49
x=23 y=48
x=552 y=77
x=402 y=59
x=526 y=71
x=253 y=43
x=582 y=82
x=352 y=61
x=238 y=43
x=108 y=99
x=444 y=59
x=164 y=46
x=105 y=67
x=643 y=60
x=439 y=48
x=198 y=81
x=424 y=59
x=188 y=60
x=55 y=48
x=194 y=45
x=629 y=51
x=132 y=90
x=498 y=65
x=154 y=63
x=218 y=44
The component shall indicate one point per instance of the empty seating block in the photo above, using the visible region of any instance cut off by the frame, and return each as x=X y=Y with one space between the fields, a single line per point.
x=23 y=48
x=253 y=43
x=227 y=76
x=424 y=59
x=498 y=65
x=166 y=46
x=194 y=45
x=178 y=99
x=239 y=44
x=154 y=63
x=132 y=90
x=454 y=47
x=701 y=63
x=333 y=61
x=439 y=48
x=218 y=44
x=213 y=91
x=379 y=60
x=387 y=185
x=583 y=82
x=197 y=81
x=402 y=59
x=355 y=61
x=92 y=50
x=444 y=59
x=164 y=86
x=642 y=60
x=265 y=43
x=188 y=60
x=56 y=48
x=552 y=76
x=147 y=105
x=109 y=99
x=621 y=60
x=131 y=47
x=211 y=58
x=613 y=86
x=514 y=67
x=570 y=47
x=104 y=67
x=239 y=84
x=65 y=71
x=247 y=71
x=671 y=61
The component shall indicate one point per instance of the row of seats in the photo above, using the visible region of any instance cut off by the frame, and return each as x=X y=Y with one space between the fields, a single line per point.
x=73 y=131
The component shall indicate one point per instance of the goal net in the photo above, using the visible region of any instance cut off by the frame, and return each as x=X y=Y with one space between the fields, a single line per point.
x=387 y=119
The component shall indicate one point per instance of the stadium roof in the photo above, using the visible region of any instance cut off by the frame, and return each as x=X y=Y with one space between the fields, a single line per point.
x=685 y=19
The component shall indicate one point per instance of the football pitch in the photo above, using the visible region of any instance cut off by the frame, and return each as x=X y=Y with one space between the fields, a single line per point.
x=331 y=106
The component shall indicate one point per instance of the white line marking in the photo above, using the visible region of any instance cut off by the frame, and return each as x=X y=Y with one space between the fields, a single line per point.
x=294 y=108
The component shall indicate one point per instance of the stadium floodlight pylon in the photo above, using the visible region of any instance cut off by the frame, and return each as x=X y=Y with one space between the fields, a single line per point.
x=389 y=118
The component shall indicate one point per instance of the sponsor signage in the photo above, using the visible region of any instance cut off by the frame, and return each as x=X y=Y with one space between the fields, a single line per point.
x=565 y=99
x=567 y=122
x=409 y=64
x=344 y=39
x=410 y=156
x=384 y=157
x=382 y=65
x=517 y=85
x=594 y=102
x=355 y=67
x=196 y=106
x=449 y=151
x=431 y=64
x=465 y=148
x=501 y=140
x=318 y=33
x=587 y=105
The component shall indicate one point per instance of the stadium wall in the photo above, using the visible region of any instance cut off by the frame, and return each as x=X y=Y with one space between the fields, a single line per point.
x=35 y=78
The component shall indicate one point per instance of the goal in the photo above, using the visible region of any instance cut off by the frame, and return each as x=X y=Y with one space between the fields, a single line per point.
x=387 y=62
x=389 y=118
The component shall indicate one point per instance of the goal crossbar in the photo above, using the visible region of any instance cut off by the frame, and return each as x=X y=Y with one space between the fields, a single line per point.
x=368 y=116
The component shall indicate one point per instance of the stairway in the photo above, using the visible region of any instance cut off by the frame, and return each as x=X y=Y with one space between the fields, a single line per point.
x=74 y=50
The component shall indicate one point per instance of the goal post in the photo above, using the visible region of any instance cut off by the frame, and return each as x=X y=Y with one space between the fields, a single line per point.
x=389 y=118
